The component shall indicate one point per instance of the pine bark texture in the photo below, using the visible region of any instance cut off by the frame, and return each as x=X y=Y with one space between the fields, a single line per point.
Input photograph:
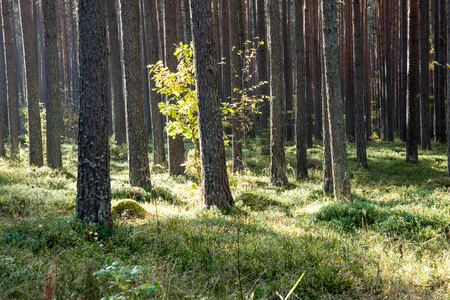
x=361 y=155
x=93 y=185
x=215 y=186
x=118 y=103
x=159 y=155
x=52 y=101
x=175 y=145
x=425 y=121
x=136 y=139
x=413 y=83
x=277 y=169
x=335 y=107
x=11 y=77
x=300 y=116
x=36 y=156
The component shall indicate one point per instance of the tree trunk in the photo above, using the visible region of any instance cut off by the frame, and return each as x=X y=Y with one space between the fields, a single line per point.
x=93 y=184
x=236 y=81
x=3 y=91
x=215 y=186
x=361 y=155
x=403 y=72
x=261 y=59
x=425 y=127
x=317 y=73
x=442 y=70
x=300 y=113
x=335 y=108
x=11 y=77
x=350 y=85
x=413 y=82
x=277 y=159
x=118 y=102
x=287 y=72
x=36 y=157
x=159 y=155
x=175 y=145
x=52 y=101
x=448 y=93
x=136 y=140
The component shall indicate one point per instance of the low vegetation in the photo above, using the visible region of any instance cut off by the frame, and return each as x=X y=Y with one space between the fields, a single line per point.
x=391 y=242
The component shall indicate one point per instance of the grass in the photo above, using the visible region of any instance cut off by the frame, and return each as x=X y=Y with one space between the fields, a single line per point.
x=391 y=242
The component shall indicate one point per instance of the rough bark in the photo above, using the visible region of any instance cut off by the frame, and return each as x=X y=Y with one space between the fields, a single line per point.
x=425 y=122
x=215 y=186
x=118 y=102
x=10 y=59
x=335 y=107
x=36 y=156
x=277 y=167
x=52 y=101
x=93 y=185
x=136 y=140
x=361 y=155
x=413 y=83
x=300 y=113
x=175 y=145
x=159 y=154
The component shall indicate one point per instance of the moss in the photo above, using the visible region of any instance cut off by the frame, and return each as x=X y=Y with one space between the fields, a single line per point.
x=134 y=209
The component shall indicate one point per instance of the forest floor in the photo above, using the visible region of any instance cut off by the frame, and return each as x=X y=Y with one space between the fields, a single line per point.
x=391 y=242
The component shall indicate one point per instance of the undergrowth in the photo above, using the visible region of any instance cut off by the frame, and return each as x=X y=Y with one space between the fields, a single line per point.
x=391 y=242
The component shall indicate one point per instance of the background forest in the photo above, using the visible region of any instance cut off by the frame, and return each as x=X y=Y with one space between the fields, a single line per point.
x=298 y=150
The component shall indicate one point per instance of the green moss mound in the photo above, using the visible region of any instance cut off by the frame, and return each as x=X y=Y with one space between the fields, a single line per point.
x=133 y=208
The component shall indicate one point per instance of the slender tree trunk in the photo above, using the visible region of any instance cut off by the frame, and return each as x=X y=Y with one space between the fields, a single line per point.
x=187 y=22
x=424 y=75
x=118 y=102
x=335 y=107
x=349 y=76
x=136 y=140
x=175 y=145
x=361 y=155
x=11 y=77
x=403 y=73
x=277 y=158
x=317 y=74
x=261 y=58
x=309 y=97
x=3 y=91
x=159 y=154
x=413 y=82
x=287 y=72
x=236 y=81
x=215 y=186
x=53 y=101
x=300 y=116
x=442 y=71
x=36 y=157
x=327 y=168
x=93 y=184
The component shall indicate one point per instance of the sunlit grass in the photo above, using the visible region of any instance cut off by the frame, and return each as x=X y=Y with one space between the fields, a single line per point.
x=391 y=242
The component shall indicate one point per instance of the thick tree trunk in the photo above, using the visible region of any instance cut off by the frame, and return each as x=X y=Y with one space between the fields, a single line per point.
x=215 y=186
x=36 y=156
x=335 y=107
x=53 y=101
x=300 y=113
x=361 y=155
x=425 y=121
x=136 y=140
x=11 y=77
x=413 y=82
x=277 y=159
x=175 y=145
x=93 y=184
